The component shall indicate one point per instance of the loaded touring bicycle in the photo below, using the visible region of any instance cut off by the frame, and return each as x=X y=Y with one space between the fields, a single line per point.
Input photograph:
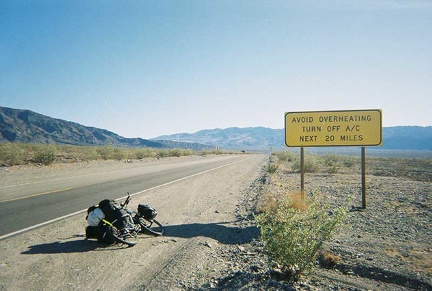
x=110 y=222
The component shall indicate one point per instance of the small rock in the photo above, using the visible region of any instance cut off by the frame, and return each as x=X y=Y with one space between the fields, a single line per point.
x=349 y=272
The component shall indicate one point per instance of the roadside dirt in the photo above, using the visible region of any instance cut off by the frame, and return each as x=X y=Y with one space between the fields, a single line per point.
x=212 y=242
x=199 y=215
x=386 y=246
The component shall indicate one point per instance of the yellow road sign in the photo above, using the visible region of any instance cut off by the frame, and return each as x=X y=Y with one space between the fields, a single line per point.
x=333 y=128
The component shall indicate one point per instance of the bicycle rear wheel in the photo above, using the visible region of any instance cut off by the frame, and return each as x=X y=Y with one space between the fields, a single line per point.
x=151 y=226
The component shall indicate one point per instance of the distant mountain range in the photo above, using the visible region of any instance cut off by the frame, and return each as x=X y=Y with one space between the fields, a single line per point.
x=261 y=138
x=26 y=126
x=249 y=138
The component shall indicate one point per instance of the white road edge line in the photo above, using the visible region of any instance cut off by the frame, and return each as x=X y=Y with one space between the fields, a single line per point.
x=137 y=193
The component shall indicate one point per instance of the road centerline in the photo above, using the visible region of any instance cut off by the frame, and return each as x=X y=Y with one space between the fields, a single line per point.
x=37 y=194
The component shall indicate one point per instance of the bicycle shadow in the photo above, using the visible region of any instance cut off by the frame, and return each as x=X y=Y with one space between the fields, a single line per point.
x=217 y=231
x=73 y=246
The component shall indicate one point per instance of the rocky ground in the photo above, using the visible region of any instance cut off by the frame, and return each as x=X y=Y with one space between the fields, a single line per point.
x=386 y=246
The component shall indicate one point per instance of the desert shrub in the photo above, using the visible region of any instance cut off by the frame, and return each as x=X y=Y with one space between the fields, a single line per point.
x=285 y=156
x=272 y=168
x=45 y=155
x=332 y=163
x=118 y=154
x=162 y=153
x=112 y=153
x=88 y=154
x=107 y=153
x=327 y=259
x=18 y=153
x=11 y=154
x=103 y=152
x=144 y=153
x=350 y=161
x=188 y=152
x=294 y=230
x=77 y=153
x=176 y=153
x=311 y=164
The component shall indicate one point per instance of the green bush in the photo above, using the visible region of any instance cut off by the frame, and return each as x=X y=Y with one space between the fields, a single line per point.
x=176 y=153
x=311 y=164
x=69 y=153
x=17 y=153
x=332 y=163
x=144 y=153
x=272 y=168
x=118 y=154
x=350 y=161
x=45 y=155
x=292 y=235
x=88 y=154
x=285 y=156
x=103 y=152
x=11 y=154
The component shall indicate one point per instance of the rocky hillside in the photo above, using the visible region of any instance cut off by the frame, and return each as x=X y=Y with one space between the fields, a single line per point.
x=26 y=126
x=29 y=127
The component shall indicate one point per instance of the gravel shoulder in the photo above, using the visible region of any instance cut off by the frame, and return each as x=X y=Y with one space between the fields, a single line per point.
x=212 y=242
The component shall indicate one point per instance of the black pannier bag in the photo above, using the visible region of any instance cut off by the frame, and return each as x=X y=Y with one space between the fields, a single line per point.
x=99 y=233
x=114 y=214
x=109 y=208
x=146 y=211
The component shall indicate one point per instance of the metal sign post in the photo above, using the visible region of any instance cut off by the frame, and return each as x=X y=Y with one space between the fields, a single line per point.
x=363 y=170
x=302 y=180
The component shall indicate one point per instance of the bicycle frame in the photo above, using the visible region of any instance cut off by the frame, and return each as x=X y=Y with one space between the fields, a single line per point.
x=138 y=224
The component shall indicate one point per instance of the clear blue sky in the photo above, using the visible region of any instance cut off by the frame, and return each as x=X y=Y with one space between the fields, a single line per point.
x=148 y=68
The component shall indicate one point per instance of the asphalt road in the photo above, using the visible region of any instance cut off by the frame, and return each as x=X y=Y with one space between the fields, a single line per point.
x=33 y=203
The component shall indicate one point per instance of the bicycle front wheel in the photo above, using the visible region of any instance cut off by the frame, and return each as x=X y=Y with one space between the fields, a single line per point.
x=151 y=226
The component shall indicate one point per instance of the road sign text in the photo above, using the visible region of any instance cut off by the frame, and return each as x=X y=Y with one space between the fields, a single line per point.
x=333 y=128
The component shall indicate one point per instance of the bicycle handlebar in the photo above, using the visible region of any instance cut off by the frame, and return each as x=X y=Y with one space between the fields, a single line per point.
x=126 y=201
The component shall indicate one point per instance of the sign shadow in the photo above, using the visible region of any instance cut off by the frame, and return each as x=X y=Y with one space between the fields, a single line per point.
x=218 y=231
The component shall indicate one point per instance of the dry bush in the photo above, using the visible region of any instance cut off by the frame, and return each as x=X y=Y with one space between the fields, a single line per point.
x=294 y=230
x=297 y=202
x=328 y=260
